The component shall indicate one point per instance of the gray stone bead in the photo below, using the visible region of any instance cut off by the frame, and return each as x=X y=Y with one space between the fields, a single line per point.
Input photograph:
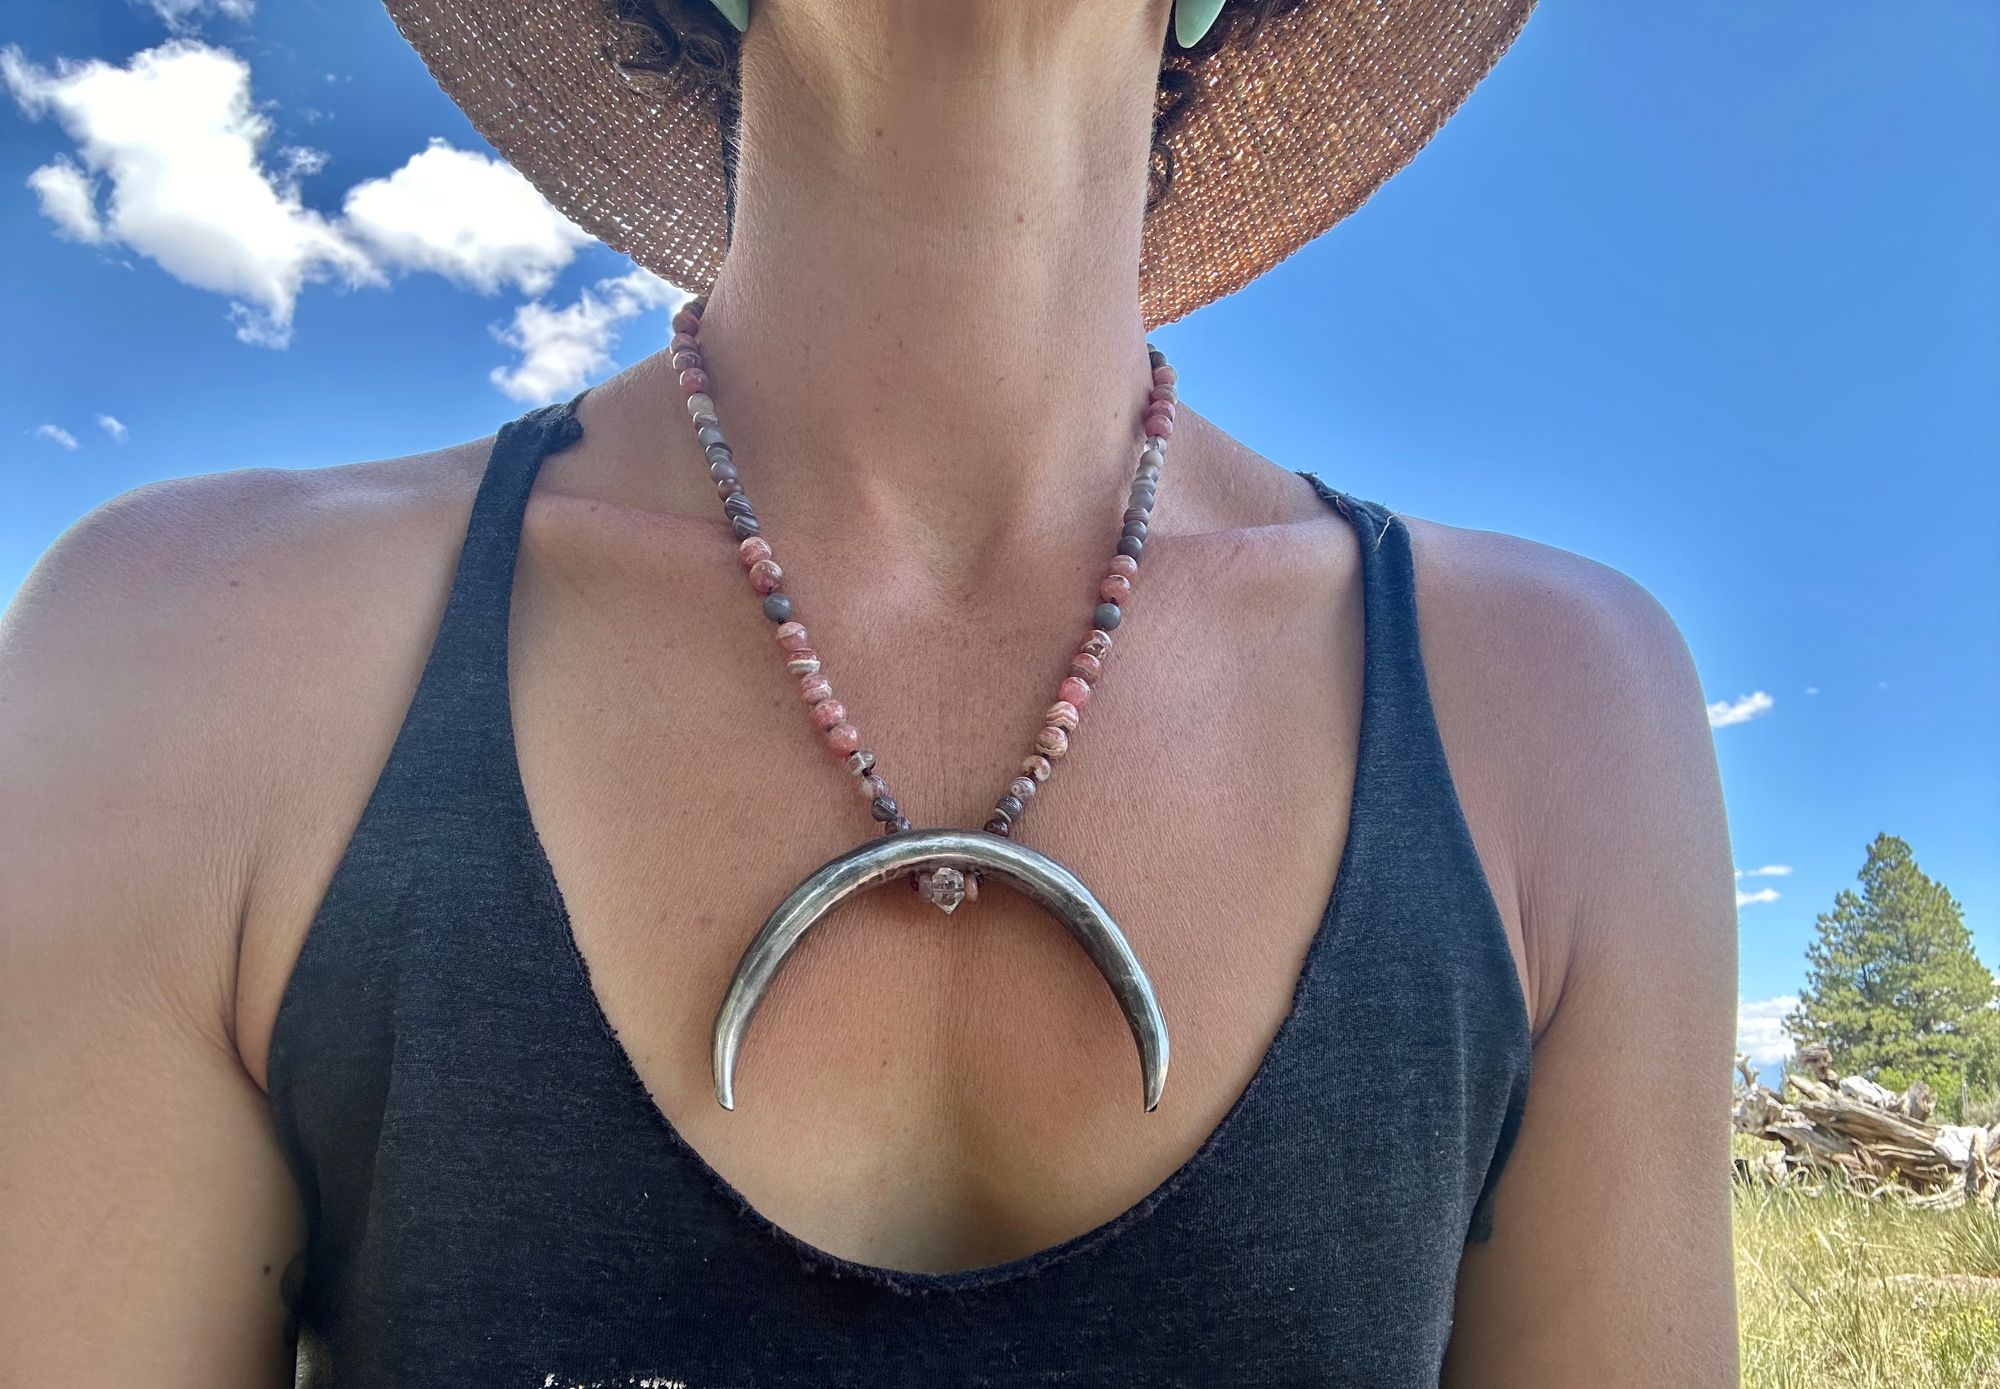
x=777 y=607
x=737 y=505
x=883 y=808
x=1134 y=530
x=1130 y=546
x=1108 y=616
x=1008 y=807
x=718 y=453
x=710 y=434
x=722 y=471
x=745 y=527
x=1156 y=357
x=1142 y=498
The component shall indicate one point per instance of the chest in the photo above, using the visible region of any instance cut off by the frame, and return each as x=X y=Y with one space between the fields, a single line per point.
x=920 y=1091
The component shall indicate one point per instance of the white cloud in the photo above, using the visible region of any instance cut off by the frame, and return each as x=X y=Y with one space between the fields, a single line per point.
x=184 y=14
x=1769 y=870
x=55 y=434
x=1760 y=1029
x=69 y=199
x=176 y=133
x=1742 y=709
x=178 y=137
x=1812 y=689
x=1762 y=894
x=113 y=426
x=560 y=348
x=466 y=217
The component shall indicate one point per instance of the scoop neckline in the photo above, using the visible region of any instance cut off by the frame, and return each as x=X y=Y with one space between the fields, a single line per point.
x=825 y=1261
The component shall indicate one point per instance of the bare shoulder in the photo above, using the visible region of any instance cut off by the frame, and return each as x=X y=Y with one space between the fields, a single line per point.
x=1572 y=716
x=163 y=658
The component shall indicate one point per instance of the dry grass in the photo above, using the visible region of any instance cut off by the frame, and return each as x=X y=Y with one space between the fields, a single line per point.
x=1835 y=1292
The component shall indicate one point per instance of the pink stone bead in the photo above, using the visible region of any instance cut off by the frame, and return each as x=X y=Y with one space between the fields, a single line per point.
x=803 y=663
x=685 y=358
x=680 y=342
x=792 y=637
x=1062 y=714
x=694 y=381
x=752 y=549
x=1097 y=644
x=1074 y=691
x=843 y=738
x=1116 y=588
x=766 y=576
x=814 y=688
x=872 y=786
x=1085 y=666
x=1052 y=743
x=1022 y=788
x=827 y=713
x=1167 y=393
x=1036 y=766
x=1164 y=376
x=1159 y=426
x=687 y=321
x=1126 y=565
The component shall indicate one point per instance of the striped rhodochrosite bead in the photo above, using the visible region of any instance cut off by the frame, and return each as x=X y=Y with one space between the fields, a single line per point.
x=828 y=715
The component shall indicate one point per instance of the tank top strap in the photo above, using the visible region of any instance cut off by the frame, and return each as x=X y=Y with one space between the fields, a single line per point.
x=460 y=711
x=1404 y=797
x=470 y=644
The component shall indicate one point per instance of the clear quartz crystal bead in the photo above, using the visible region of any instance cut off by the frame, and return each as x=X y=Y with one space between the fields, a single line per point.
x=943 y=888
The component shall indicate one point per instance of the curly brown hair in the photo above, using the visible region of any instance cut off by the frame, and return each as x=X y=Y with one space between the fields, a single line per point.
x=690 y=36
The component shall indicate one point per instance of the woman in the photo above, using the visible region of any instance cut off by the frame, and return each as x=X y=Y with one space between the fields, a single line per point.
x=389 y=843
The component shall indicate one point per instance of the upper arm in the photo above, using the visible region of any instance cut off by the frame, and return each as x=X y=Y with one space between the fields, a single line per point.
x=1610 y=1259
x=147 y=1215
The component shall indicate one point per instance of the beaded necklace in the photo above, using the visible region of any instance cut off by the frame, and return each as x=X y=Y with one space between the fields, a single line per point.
x=945 y=865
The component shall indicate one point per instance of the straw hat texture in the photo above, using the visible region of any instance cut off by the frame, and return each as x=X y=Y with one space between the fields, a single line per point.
x=1285 y=135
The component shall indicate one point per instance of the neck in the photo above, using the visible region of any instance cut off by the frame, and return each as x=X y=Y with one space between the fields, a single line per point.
x=929 y=308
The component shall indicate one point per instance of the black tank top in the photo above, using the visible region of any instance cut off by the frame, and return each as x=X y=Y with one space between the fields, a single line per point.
x=494 y=1199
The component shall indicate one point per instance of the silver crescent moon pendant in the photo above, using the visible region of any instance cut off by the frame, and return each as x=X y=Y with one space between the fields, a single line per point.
x=943 y=852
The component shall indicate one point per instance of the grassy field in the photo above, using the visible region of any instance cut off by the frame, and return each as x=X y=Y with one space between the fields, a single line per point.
x=1835 y=1292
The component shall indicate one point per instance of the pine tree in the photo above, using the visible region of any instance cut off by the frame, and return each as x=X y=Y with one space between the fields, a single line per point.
x=1893 y=985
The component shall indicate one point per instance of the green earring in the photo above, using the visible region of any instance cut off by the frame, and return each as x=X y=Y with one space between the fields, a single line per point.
x=737 y=12
x=1192 y=19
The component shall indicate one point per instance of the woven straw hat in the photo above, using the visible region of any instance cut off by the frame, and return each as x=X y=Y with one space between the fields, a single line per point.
x=1285 y=135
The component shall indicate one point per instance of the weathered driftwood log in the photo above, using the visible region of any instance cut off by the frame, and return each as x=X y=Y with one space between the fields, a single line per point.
x=1877 y=1141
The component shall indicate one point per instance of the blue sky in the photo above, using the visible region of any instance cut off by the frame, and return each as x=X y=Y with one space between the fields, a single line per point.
x=1707 y=292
